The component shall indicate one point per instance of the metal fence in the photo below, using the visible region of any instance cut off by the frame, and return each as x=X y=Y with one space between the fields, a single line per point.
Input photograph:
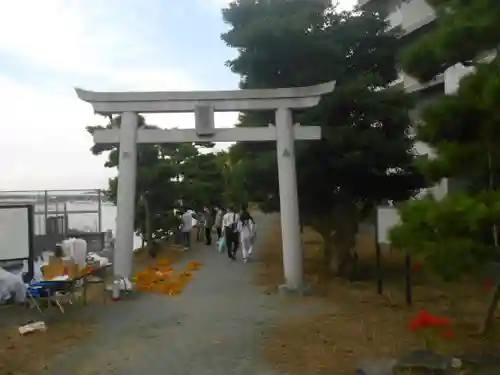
x=62 y=213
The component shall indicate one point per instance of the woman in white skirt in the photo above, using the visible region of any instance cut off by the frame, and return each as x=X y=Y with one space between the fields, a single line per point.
x=247 y=231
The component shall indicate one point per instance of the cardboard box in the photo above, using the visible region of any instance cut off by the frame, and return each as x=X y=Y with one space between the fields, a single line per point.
x=60 y=267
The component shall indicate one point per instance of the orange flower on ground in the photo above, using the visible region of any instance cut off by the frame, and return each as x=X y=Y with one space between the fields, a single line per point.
x=194 y=266
x=160 y=278
x=163 y=263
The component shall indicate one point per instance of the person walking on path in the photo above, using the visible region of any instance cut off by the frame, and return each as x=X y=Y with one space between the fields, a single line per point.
x=208 y=225
x=247 y=232
x=230 y=232
x=218 y=221
x=187 y=227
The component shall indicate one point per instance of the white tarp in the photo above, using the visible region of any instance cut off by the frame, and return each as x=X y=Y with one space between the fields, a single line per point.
x=387 y=218
x=75 y=248
x=11 y=285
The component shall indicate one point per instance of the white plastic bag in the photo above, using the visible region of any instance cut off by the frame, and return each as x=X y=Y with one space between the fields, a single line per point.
x=79 y=252
x=37 y=266
x=67 y=247
x=12 y=285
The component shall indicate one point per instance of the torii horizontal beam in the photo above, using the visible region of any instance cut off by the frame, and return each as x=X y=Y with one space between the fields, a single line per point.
x=255 y=134
x=222 y=101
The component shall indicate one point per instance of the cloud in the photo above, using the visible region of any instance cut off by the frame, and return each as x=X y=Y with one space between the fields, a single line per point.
x=218 y=4
x=93 y=44
x=53 y=34
x=86 y=38
x=44 y=142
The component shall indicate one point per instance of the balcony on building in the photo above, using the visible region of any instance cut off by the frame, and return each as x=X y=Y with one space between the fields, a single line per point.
x=409 y=15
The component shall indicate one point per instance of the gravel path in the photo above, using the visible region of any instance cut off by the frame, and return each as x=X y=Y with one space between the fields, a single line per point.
x=213 y=327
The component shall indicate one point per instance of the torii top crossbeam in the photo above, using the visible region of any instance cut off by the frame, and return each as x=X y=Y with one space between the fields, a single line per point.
x=107 y=103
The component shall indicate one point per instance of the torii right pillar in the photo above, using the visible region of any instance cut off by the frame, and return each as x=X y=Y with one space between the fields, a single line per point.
x=289 y=207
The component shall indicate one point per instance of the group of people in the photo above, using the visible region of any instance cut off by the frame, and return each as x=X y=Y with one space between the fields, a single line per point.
x=234 y=230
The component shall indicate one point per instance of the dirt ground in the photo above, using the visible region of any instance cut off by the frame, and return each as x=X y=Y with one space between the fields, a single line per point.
x=28 y=355
x=368 y=325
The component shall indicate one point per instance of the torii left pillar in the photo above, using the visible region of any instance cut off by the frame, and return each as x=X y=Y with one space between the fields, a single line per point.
x=125 y=211
x=204 y=104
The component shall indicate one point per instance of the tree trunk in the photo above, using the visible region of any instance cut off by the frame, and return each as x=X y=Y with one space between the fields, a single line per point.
x=488 y=320
x=329 y=255
x=339 y=237
x=346 y=225
x=490 y=314
x=328 y=251
x=149 y=230
x=345 y=260
x=324 y=228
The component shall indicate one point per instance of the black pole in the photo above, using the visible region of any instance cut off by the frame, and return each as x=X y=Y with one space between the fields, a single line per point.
x=408 y=280
x=31 y=242
x=380 y=287
x=379 y=276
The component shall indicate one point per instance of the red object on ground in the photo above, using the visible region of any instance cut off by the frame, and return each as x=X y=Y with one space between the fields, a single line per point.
x=417 y=266
x=424 y=319
x=488 y=284
x=448 y=334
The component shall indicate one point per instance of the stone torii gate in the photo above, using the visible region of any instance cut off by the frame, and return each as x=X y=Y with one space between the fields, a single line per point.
x=204 y=104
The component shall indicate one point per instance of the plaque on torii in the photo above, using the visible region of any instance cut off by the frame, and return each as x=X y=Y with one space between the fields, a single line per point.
x=204 y=104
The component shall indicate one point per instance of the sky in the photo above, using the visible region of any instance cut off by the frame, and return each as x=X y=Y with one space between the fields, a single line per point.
x=49 y=47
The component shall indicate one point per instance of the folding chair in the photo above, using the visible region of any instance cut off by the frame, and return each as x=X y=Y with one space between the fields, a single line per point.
x=32 y=294
x=54 y=289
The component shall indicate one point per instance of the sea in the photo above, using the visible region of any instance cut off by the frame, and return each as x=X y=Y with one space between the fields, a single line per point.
x=88 y=222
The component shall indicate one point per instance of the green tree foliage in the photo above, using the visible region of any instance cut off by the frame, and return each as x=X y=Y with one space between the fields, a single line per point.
x=455 y=236
x=167 y=174
x=203 y=182
x=235 y=179
x=464 y=31
x=464 y=129
x=449 y=234
x=365 y=155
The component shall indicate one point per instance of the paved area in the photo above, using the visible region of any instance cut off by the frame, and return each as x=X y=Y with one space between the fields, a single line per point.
x=213 y=327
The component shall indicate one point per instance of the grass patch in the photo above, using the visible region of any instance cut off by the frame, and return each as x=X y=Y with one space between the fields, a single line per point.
x=368 y=325
x=30 y=354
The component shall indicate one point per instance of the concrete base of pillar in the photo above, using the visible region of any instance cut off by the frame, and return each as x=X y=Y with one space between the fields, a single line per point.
x=304 y=290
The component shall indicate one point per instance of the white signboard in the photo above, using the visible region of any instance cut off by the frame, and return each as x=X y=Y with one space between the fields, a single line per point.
x=14 y=232
x=387 y=218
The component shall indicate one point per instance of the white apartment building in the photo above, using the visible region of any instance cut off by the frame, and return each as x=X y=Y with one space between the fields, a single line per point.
x=415 y=17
